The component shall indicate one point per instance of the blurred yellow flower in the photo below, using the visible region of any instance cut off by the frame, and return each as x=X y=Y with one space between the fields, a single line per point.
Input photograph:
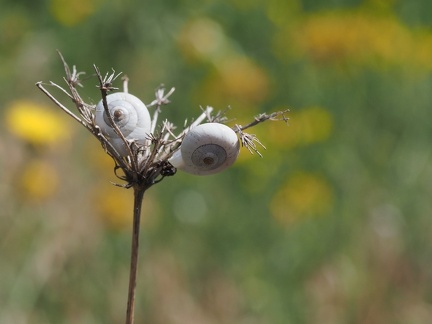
x=355 y=37
x=35 y=123
x=99 y=160
x=70 y=13
x=114 y=207
x=203 y=39
x=307 y=126
x=235 y=75
x=38 y=180
x=302 y=195
x=241 y=77
x=238 y=80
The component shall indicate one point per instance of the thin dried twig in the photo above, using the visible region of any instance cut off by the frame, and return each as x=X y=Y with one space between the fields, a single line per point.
x=250 y=141
x=275 y=116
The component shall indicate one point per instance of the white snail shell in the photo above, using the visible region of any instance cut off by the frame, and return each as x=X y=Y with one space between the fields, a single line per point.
x=130 y=115
x=207 y=149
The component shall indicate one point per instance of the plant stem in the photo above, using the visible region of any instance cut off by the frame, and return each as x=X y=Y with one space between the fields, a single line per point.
x=138 y=199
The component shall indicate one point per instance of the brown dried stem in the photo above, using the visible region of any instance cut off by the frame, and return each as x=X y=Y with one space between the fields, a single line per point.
x=144 y=165
x=138 y=199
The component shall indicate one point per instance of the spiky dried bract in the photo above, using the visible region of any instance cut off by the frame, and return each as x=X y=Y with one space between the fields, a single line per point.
x=250 y=141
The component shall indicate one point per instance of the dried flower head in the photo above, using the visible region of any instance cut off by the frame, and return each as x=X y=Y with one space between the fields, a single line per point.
x=147 y=161
x=146 y=152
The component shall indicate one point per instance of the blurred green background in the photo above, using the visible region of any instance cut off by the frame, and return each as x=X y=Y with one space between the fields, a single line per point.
x=332 y=225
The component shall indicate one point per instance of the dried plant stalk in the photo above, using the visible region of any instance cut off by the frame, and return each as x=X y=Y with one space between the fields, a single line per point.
x=144 y=164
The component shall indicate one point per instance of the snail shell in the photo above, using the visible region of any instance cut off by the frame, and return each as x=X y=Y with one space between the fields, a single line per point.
x=207 y=149
x=130 y=115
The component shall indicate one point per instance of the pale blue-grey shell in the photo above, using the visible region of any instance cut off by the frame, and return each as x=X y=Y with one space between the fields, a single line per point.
x=207 y=149
x=130 y=115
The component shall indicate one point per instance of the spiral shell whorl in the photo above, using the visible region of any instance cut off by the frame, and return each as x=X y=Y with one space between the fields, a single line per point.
x=207 y=149
x=129 y=114
x=119 y=110
x=208 y=156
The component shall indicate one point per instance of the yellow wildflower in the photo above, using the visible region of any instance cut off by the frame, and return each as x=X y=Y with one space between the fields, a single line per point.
x=113 y=205
x=357 y=37
x=35 y=123
x=38 y=180
x=236 y=75
x=242 y=78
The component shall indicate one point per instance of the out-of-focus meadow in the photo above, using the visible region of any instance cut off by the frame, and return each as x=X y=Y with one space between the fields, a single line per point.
x=332 y=225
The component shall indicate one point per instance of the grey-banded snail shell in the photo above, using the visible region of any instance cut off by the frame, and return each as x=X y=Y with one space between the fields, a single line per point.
x=207 y=149
x=130 y=115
